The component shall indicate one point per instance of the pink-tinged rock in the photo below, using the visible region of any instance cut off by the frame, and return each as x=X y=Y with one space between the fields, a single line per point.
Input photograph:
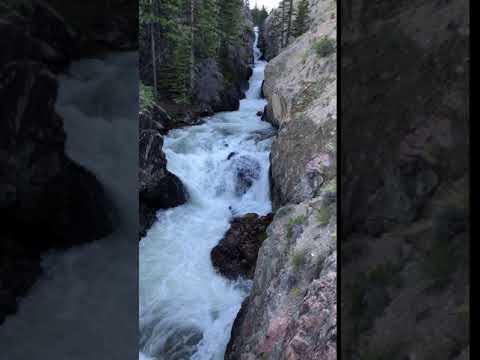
x=276 y=332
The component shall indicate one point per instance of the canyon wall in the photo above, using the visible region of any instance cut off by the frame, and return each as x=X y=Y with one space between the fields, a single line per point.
x=291 y=311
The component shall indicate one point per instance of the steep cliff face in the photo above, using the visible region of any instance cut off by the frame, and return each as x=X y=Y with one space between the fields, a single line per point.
x=405 y=212
x=158 y=188
x=291 y=312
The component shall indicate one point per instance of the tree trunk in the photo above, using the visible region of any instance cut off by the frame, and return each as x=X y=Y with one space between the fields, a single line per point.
x=283 y=25
x=192 y=54
x=154 y=57
x=289 y=26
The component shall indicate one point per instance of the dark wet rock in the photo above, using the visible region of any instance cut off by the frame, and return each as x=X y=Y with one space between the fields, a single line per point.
x=232 y=154
x=268 y=116
x=19 y=269
x=147 y=217
x=49 y=189
x=209 y=84
x=56 y=32
x=236 y=254
x=158 y=188
x=46 y=200
x=35 y=32
x=79 y=205
x=101 y=25
x=260 y=113
x=156 y=119
x=246 y=171
x=164 y=192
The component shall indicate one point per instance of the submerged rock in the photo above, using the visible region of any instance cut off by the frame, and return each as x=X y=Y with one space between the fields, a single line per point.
x=246 y=170
x=236 y=254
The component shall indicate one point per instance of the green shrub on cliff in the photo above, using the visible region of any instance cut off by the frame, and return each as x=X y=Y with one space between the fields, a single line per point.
x=294 y=222
x=147 y=99
x=323 y=216
x=324 y=47
x=301 y=22
x=299 y=259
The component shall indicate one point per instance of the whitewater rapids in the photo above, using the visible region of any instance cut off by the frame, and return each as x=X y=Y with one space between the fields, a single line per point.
x=186 y=309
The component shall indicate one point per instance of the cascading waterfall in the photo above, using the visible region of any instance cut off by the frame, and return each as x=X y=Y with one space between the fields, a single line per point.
x=186 y=308
x=82 y=307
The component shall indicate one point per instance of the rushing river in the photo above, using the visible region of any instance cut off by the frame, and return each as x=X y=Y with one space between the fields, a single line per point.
x=84 y=306
x=186 y=309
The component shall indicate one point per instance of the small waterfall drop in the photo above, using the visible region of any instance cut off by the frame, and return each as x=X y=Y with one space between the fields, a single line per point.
x=186 y=308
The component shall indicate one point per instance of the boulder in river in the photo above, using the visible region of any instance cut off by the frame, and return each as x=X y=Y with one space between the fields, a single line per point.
x=246 y=171
x=236 y=254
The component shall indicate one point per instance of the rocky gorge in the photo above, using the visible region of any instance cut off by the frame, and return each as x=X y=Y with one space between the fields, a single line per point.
x=47 y=200
x=290 y=255
x=291 y=310
x=218 y=87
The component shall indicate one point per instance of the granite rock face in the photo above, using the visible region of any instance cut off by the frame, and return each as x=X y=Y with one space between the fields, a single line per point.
x=405 y=187
x=291 y=311
x=300 y=86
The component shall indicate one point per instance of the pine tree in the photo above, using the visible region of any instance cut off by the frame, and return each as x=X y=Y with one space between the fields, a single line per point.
x=259 y=15
x=281 y=6
x=300 y=24
x=230 y=13
x=206 y=31
x=289 y=21
x=177 y=34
